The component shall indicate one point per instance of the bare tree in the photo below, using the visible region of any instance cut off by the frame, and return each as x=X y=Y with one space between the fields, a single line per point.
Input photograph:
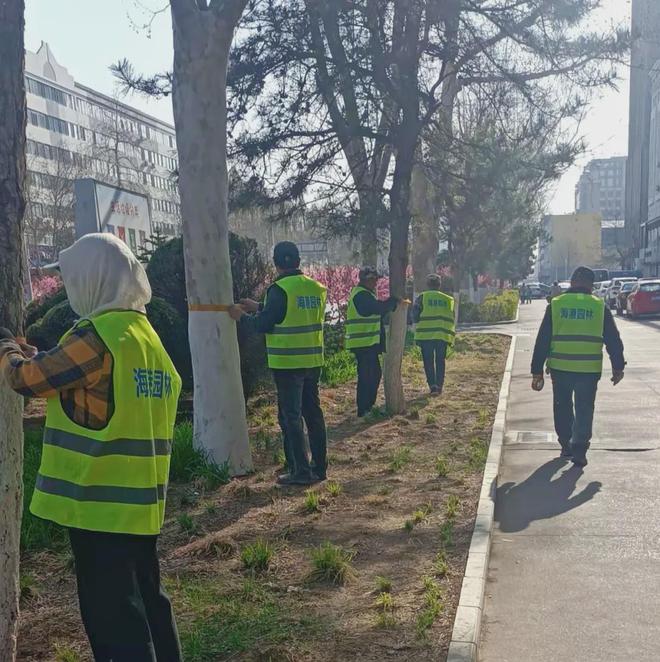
x=12 y=206
x=118 y=148
x=203 y=32
x=50 y=213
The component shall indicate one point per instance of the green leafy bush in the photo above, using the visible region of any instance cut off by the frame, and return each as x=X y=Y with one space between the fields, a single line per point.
x=250 y=273
x=36 y=309
x=188 y=463
x=46 y=332
x=494 y=308
x=339 y=368
x=172 y=329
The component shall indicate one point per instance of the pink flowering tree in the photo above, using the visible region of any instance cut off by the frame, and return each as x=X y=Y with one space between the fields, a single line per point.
x=45 y=286
x=339 y=281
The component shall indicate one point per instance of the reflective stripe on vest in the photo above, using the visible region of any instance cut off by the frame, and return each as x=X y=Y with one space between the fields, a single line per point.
x=114 y=480
x=361 y=331
x=577 y=333
x=437 y=319
x=298 y=341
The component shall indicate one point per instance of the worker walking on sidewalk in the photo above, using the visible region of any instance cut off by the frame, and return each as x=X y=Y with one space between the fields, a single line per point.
x=292 y=318
x=435 y=330
x=365 y=335
x=571 y=338
x=112 y=395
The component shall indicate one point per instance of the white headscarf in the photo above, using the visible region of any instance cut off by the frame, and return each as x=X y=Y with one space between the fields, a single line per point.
x=101 y=273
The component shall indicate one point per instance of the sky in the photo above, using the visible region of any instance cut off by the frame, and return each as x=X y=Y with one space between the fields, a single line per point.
x=87 y=36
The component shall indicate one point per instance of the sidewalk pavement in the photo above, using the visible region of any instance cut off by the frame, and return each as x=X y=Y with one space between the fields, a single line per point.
x=574 y=571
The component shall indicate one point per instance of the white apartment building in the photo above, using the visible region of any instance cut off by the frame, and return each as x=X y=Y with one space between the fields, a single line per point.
x=75 y=132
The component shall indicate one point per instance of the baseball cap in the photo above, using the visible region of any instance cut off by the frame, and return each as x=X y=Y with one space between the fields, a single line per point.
x=286 y=255
x=369 y=272
x=584 y=275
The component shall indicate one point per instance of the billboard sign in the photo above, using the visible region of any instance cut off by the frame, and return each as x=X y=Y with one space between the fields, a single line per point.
x=104 y=208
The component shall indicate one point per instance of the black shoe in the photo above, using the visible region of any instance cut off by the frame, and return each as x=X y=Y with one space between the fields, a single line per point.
x=579 y=460
x=566 y=452
x=300 y=479
x=318 y=474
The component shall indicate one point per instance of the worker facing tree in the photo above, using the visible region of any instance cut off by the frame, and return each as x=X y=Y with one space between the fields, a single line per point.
x=292 y=318
x=366 y=336
x=112 y=393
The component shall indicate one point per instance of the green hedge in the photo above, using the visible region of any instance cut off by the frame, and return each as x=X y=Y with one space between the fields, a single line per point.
x=495 y=308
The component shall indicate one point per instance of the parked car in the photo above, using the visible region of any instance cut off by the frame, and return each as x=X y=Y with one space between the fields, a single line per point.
x=601 y=287
x=538 y=290
x=622 y=297
x=615 y=287
x=565 y=285
x=644 y=299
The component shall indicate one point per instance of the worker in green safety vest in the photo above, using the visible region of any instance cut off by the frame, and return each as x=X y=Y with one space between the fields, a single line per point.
x=435 y=330
x=365 y=335
x=570 y=343
x=292 y=318
x=112 y=395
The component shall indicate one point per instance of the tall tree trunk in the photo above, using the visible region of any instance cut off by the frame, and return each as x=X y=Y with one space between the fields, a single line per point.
x=369 y=245
x=398 y=263
x=202 y=38
x=425 y=229
x=12 y=207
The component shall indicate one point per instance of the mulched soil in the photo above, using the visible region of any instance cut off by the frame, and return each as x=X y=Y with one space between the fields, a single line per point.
x=367 y=518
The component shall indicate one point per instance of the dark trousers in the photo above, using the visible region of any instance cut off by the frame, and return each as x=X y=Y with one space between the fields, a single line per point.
x=127 y=615
x=369 y=376
x=434 y=355
x=298 y=399
x=574 y=398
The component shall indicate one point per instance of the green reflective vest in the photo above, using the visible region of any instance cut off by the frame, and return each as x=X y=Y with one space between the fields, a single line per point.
x=298 y=341
x=114 y=480
x=577 y=333
x=361 y=331
x=437 y=319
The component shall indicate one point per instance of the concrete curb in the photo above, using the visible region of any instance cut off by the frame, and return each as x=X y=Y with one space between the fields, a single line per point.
x=467 y=624
x=469 y=325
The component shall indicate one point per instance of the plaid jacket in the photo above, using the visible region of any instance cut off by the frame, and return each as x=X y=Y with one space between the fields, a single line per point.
x=79 y=370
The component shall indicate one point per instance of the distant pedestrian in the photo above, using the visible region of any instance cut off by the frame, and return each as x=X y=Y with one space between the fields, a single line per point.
x=523 y=293
x=365 y=335
x=571 y=338
x=292 y=318
x=435 y=330
x=555 y=290
x=112 y=394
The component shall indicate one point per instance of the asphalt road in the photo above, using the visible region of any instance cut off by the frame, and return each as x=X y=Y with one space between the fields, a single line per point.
x=575 y=566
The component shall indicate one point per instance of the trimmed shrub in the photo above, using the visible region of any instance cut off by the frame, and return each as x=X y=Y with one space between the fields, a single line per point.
x=250 y=272
x=37 y=308
x=495 y=308
x=173 y=332
x=46 y=333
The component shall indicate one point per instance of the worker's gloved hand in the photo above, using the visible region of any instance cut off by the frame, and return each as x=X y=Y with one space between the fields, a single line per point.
x=236 y=311
x=617 y=376
x=538 y=382
x=28 y=350
x=249 y=305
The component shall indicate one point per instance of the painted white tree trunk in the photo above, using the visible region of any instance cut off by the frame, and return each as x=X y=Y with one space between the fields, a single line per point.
x=201 y=47
x=11 y=506
x=396 y=340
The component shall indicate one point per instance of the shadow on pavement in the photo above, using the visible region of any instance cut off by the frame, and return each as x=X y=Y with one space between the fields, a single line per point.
x=541 y=497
